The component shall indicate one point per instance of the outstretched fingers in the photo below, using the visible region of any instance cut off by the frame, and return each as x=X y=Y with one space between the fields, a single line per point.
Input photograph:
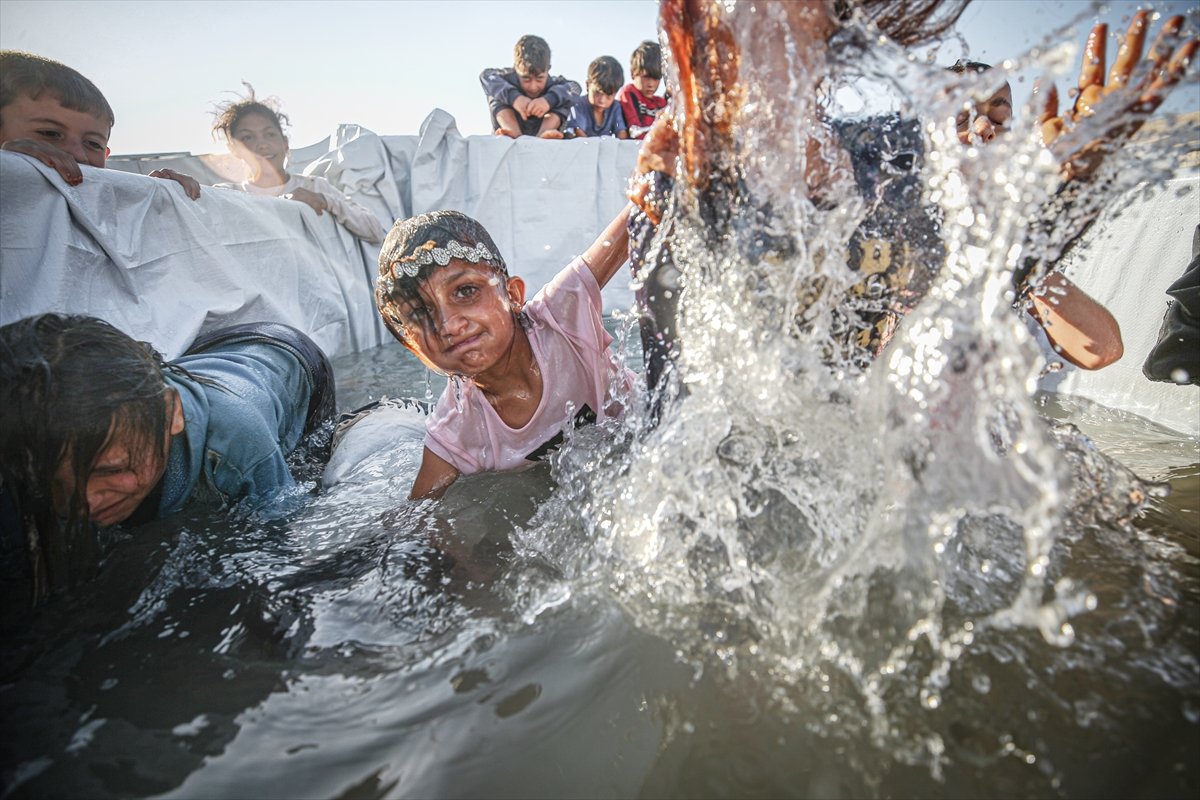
x=1129 y=53
x=1167 y=67
x=1091 y=71
x=1050 y=122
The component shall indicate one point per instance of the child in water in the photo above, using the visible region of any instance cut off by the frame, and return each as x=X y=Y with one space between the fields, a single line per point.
x=529 y=369
x=254 y=131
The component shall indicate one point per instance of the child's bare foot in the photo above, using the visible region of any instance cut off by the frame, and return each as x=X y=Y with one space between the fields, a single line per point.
x=551 y=134
x=510 y=134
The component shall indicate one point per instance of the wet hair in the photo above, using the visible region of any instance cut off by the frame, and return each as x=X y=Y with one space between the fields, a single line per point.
x=227 y=115
x=32 y=75
x=531 y=55
x=67 y=383
x=906 y=22
x=404 y=244
x=605 y=74
x=962 y=66
x=646 y=60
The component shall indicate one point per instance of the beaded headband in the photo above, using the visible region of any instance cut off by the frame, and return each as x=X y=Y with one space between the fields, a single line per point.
x=411 y=265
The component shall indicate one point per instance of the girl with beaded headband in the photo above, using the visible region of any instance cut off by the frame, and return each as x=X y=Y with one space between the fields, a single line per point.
x=526 y=370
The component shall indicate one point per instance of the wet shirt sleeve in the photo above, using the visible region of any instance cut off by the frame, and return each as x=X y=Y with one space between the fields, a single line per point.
x=257 y=402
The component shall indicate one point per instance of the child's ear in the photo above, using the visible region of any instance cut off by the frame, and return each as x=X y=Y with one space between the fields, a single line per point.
x=516 y=291
x=175 y=412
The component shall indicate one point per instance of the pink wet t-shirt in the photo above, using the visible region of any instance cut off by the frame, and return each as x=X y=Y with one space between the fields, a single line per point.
x=582 y=379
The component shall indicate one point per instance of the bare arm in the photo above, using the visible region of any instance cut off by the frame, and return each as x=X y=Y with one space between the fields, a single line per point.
x=611 y=249
x=433 y=478
x=1079 y=328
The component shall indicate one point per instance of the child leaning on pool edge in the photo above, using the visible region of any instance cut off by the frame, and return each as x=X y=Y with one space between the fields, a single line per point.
x=56 y=115
x=253 y=129
x=529 y=370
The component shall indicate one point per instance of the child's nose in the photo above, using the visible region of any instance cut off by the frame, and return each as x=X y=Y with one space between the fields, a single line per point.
x=985 y=129
x=76 y=149
x=450 y=322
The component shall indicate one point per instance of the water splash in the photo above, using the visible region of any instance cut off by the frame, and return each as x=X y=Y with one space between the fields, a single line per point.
x=875 y=535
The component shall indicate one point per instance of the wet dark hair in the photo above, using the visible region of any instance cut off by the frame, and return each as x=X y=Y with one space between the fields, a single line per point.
x=646 y=60
x=962 y=66
x=407 y=238
x=33 y=75
x=531 y=55
x=906 y=22
x=227 y=115
x=605 y=74
x=67 y=383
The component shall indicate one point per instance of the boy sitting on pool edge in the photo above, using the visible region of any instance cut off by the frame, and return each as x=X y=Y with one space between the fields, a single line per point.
x=526 y=100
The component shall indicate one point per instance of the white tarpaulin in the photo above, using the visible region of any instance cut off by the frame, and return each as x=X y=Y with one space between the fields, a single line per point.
x=1137 y=249
x=137 y=252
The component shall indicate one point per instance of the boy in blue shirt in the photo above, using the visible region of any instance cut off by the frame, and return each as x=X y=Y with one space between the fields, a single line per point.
x=526 y=100
x=597 y=113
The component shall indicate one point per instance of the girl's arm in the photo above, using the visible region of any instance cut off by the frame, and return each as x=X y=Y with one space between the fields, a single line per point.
x=611 y=249
x=433 y=478
x=1079 y=328
x=358 y=220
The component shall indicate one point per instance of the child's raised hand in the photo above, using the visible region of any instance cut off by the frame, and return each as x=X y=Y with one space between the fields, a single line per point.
x=1137 y=95
x=57 y=159
x=660 y=147
x=314 y=200
x=191 y=186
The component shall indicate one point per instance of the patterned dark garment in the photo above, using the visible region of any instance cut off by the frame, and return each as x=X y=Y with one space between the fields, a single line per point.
x=897 y=249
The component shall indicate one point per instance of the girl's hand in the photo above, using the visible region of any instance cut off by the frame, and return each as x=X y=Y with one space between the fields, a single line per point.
x=1137 y=96
x=314 y=200
x=660 y=148
x=191 y=186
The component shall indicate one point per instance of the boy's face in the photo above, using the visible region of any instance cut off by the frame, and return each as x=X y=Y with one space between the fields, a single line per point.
x=124 y=474
x=599 y=98
x=646 y=85
x=989 y=119
x=81 y=134
x=464 y=322
x=533 y=84
x=257 y=139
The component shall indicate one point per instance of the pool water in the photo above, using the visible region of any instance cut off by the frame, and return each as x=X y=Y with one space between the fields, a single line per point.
x=335 y=654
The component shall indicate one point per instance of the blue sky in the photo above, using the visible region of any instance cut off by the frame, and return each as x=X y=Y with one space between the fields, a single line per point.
x=384 y=65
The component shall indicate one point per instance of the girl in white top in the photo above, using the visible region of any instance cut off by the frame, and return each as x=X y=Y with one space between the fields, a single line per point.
x=254 y=130
x=526 y=371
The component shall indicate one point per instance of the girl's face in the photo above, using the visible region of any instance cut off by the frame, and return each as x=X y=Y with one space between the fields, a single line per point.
x=257 y=140
x=990 y=118
x=465 y=320
x=124 y=473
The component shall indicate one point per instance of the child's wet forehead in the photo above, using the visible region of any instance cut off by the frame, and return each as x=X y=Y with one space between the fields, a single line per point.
x=430 y=287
